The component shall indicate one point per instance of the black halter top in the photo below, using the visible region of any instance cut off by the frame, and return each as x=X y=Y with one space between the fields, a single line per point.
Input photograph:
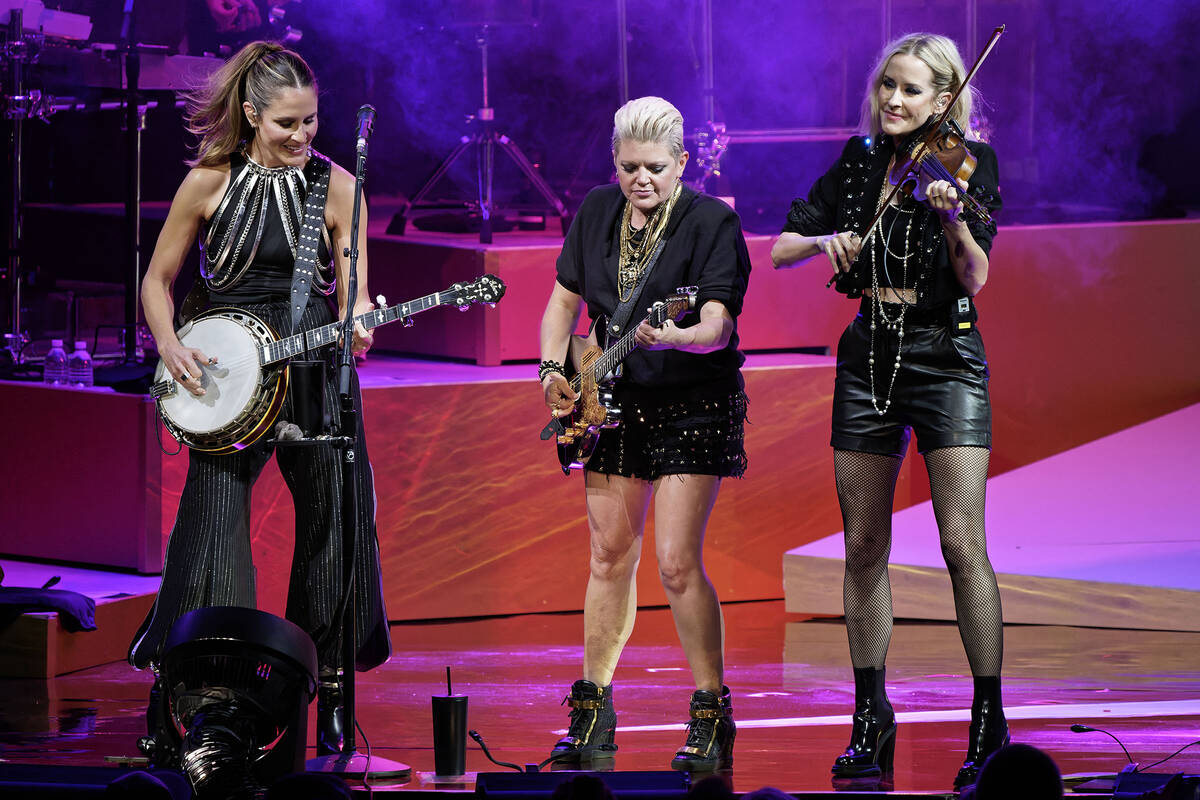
x=248 y=248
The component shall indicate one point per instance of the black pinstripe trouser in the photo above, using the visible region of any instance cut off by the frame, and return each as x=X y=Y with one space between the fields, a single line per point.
x=208 y=561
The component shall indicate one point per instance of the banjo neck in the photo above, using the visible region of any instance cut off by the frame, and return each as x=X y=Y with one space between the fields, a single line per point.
x=225 y=420
x=307 y=341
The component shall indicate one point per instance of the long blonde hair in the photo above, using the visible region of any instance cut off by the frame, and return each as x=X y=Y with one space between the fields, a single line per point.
x=941 y=55
x=256 y=73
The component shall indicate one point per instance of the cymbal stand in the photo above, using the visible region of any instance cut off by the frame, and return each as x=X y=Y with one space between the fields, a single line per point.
x=133 y=124
x=485 y=140
x=19 y=105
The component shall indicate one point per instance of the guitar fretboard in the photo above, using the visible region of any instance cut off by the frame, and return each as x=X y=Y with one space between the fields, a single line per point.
x=616 y=353
x=296 y=345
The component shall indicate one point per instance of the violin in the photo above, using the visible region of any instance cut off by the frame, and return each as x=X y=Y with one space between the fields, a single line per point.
x=940 y=154
x=935 y=152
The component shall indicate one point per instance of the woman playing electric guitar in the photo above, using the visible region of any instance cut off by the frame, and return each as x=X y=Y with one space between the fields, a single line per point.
x=683 y=410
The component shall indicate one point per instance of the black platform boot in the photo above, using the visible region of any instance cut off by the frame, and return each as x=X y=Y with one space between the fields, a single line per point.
x=988 y=731
x=593 y=725
x=330 y=713
x=873 y=737
x=711 y=731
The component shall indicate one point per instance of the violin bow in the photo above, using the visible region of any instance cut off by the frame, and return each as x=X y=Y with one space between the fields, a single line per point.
x=987 y=49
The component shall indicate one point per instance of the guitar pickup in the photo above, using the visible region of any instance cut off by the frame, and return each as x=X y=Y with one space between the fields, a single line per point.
x=164 y=389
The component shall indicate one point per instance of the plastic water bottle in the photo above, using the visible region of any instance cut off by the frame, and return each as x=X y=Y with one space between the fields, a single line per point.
x=79 y=366
x=55 y=370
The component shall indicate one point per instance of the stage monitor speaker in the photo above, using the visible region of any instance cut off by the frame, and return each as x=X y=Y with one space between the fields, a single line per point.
x=625 y=785
x=54 y=781
x=1137 y=784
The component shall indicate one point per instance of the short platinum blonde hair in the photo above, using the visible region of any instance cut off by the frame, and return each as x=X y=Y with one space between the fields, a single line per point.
x=940 y=54
x=649 y=119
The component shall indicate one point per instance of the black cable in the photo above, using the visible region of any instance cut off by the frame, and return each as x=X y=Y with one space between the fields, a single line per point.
x=158 y=426
x=1168 y=758
x=367 y=766
x=1077 y=728
x=479 y=741
x=554 y=757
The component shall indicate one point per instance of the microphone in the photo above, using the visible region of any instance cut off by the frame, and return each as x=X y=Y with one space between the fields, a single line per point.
x=1078 y=728
x=366 y=123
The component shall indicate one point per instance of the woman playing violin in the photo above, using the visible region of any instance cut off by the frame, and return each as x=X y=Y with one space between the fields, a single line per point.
x=911 y=360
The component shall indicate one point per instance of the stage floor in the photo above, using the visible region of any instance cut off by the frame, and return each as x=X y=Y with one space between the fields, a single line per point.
x=789 y=675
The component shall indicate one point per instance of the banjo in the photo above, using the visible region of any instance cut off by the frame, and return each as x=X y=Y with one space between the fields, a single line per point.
x=245 y=389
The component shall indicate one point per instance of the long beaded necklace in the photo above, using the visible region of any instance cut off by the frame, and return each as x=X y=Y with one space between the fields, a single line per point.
x=878 y=312
x=635 y=256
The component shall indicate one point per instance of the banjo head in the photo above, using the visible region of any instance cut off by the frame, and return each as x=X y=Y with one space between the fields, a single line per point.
x=230 y=384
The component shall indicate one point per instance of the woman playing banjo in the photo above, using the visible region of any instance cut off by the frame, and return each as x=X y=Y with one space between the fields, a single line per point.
x=245 y=197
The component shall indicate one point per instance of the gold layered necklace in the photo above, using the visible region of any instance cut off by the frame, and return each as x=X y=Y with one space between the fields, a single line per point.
x=635 y=256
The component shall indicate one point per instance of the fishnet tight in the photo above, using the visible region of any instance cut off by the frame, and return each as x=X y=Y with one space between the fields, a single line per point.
x=866 y=485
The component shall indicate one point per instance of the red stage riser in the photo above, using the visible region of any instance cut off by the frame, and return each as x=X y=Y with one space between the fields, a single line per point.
x=1088 y=328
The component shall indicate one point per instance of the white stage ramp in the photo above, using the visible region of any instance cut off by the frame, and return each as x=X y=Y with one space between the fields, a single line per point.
x=1104 y=535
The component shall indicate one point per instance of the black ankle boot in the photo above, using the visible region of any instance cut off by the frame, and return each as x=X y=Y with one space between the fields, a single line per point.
x=988 y=731
x=711 y=731
x=330 y=713
x=873 y=737
x=593 y=725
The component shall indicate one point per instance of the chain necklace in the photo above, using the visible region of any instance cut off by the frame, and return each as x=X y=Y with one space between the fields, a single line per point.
x=878 y=311
x=635 y=257
x=250 y=193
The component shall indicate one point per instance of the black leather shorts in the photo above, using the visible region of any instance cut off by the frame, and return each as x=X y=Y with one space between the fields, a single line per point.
x=940 y=393
x=680 y=432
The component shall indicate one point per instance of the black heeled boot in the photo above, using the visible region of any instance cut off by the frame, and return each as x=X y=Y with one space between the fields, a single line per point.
x=330 y=713
x=593 y=725
x=873 y=738
x=711 y=731
x=988 y=731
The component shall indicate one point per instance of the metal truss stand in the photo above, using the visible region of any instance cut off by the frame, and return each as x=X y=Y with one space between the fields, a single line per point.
x=484 y=141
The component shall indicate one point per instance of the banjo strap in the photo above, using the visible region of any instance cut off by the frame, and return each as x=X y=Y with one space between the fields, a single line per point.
x=309 y=237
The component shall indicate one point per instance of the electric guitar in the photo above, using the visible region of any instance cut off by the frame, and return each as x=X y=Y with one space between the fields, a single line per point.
x=576 y=434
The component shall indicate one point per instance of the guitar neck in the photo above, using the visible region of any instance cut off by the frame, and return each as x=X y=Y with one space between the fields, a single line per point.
x=614 y=355
x=296 y=345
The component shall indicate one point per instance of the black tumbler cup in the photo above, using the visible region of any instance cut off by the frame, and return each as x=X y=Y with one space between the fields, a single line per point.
x=308 y=396
x=450 y=734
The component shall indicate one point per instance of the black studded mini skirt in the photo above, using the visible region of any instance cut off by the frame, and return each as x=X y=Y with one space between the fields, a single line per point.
x=675 y=431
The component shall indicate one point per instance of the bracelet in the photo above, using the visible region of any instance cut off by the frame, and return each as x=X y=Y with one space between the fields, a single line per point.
x=548 y=366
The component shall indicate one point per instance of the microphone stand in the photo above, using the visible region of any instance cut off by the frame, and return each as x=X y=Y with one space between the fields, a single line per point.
x=349 y=762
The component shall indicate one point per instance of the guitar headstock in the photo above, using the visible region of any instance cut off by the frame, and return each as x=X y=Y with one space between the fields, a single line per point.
x=673 y=306
x=484 y=289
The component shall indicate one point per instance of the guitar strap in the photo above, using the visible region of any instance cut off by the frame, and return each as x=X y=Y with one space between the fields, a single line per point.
x=620 y=317
x=308 y=238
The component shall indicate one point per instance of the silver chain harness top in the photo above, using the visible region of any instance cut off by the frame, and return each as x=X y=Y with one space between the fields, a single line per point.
x=229 y=247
